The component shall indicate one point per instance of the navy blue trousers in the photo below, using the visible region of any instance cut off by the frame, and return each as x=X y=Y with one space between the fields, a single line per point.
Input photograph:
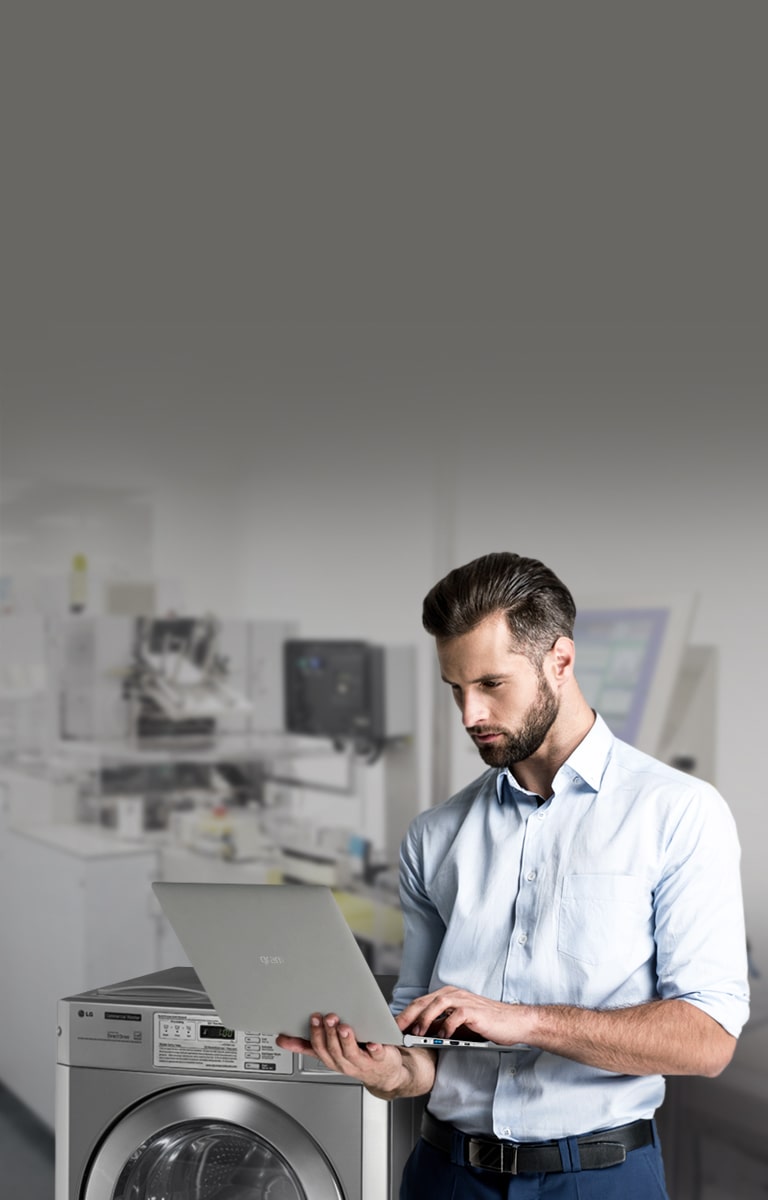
x=430 y=1175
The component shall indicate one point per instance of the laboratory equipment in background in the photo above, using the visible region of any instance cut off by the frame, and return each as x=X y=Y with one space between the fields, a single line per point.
x=178 y=682
x=171 y=793
x=168 y=679
x=361 y=697
x=194 y=715
x=154 y=1096
x=351 y=691
x=325 y=799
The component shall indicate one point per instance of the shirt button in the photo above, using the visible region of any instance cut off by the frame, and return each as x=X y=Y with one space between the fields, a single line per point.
x=513 y=1070
x=506 y=1132
x=531 y=876
x=541 y=814
x=523 y=939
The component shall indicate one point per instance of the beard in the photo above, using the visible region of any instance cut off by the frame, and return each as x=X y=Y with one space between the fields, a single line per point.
x=516 y=747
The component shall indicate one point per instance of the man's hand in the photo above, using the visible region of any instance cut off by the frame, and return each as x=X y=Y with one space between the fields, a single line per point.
x=387 y=1071
x=441 y=1013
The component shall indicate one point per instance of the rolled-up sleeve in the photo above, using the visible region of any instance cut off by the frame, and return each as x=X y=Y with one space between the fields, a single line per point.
x=699 y=924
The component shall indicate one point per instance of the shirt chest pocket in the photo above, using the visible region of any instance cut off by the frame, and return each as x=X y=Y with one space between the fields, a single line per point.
x=602 y=916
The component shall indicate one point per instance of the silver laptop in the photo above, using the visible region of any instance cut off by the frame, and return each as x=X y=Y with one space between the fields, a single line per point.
x=268 y=955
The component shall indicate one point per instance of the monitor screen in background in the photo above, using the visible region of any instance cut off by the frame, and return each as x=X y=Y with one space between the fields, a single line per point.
x=617 y=659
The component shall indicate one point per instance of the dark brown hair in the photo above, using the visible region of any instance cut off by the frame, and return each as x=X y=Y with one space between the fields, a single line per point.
x=538 y=606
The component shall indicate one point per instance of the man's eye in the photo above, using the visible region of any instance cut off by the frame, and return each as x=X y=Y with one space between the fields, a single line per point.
x=491 y=683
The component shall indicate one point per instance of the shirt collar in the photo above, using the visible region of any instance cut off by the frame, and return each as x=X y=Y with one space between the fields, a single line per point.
x=590 y=758
x=587 y=762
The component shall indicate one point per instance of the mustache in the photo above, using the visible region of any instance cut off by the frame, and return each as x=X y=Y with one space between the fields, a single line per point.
x=482 y=730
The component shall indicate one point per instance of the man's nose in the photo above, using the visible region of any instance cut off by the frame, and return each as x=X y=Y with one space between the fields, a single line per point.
x=474 y=711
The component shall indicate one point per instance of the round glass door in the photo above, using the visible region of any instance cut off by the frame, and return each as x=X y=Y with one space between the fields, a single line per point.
x=209 y=1143
x=196 y=1161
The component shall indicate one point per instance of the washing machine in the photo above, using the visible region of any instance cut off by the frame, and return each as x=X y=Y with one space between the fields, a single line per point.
x=157 y=1100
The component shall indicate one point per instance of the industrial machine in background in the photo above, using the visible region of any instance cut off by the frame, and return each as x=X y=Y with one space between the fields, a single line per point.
x=167 y=681
x=178 y=683
x=349 y=691
x=360 y=698
x=241 y=741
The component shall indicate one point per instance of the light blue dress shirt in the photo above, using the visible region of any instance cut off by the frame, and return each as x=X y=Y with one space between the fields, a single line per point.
x=622 y=888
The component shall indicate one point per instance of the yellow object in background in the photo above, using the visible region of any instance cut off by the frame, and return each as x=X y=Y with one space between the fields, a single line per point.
x=78 y=584
x=370 y=919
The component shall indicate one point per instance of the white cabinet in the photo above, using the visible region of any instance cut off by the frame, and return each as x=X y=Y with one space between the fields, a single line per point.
x=74 y=914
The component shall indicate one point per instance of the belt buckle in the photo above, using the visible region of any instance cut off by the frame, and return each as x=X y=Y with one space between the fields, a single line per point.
x=493 y=1156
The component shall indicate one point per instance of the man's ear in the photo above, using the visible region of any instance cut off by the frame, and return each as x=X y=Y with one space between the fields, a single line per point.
x=563 y=657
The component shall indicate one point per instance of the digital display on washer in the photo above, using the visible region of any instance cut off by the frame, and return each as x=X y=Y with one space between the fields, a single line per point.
x=217 y=1031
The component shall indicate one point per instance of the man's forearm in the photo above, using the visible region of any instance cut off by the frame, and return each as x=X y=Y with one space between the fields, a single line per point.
x=666 y=1037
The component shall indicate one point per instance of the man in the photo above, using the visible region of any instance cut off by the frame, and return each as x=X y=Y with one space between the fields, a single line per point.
x=579 y=898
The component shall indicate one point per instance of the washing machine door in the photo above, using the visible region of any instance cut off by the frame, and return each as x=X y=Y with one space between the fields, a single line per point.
x=209 y=1143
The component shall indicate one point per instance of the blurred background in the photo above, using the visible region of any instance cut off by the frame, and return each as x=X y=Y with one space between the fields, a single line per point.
x=303 y=307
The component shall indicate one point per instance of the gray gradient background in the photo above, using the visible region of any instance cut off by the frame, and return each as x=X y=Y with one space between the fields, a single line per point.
x=337 y=296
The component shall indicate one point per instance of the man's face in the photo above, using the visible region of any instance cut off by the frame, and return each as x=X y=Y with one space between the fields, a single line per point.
x=507 y=703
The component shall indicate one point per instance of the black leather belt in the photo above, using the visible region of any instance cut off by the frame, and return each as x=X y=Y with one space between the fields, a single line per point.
x=596 y=1150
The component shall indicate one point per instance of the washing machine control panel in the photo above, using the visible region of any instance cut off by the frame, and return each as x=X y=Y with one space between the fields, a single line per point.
x=197 y=1041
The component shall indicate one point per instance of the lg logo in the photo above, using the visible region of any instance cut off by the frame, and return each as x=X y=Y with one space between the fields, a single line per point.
x=85 y=1012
